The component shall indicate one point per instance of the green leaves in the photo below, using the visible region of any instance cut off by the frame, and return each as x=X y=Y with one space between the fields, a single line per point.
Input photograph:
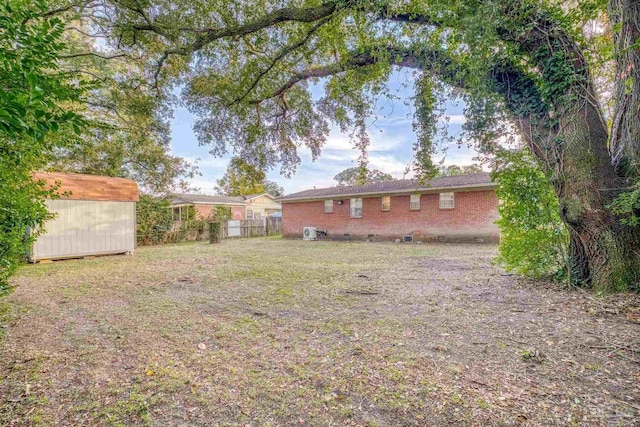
x=534 y=241
x=33 y=108
x=627 y=206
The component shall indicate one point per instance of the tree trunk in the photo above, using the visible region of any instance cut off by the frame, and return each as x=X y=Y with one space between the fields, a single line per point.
x=604 y=252
x=566 y=130
x=624 y=16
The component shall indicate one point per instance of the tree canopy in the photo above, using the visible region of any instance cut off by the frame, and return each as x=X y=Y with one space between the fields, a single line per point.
x=523 y=68
x=453 y=170
x=242 y=179
x=358 y=175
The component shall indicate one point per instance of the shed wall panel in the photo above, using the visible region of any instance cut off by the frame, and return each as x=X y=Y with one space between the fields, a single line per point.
x=86 y=227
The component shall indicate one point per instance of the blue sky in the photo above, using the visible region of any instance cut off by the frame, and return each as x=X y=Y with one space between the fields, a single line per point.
x=391 y=151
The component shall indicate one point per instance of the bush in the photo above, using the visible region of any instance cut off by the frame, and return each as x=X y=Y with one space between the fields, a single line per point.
x=154 y=220
x=214 y=232
x=534 y=240
x=222 y=214
x=34 y=102
x=627 y=206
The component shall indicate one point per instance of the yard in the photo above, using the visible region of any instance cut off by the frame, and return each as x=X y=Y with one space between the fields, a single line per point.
x=274 y=332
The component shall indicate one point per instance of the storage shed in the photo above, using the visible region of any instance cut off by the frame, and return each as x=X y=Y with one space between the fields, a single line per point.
x=95 y=215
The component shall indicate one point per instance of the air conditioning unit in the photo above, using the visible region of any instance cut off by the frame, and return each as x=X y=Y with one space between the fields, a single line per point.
x=309 y=233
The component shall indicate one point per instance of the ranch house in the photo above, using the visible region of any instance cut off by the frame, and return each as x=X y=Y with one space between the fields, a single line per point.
x=254 y=206
x=459 y=208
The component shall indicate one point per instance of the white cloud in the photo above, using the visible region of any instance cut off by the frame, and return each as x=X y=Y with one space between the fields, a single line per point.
x=393 y=121
x=338 y=143
x=208 y=162
x=388 y=164
x=205 y=185
x=454 y=119
x=380 y=141
x=460 y=157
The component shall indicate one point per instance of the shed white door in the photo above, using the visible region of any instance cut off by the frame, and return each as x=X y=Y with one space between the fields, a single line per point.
x=87 y=227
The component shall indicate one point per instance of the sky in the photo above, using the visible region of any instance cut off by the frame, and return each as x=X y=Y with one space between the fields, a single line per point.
x=391 y=150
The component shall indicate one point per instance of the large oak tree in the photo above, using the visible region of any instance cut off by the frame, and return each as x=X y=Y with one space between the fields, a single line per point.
x=523 y=67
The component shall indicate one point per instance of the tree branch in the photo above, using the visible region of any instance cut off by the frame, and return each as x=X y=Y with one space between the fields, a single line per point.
x=283 y=53
x=97 y=55
x=404 y=57
x=53 y=12
x=287 y=14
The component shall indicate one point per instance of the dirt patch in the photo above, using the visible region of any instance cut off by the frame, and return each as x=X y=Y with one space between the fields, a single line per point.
x=272 y=332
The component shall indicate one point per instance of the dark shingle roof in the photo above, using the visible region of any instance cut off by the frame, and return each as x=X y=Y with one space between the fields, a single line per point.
x=399 y=186
x=201 y=198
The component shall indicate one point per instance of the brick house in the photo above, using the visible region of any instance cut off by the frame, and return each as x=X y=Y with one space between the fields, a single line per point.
x=455 y=208
x=254 y=206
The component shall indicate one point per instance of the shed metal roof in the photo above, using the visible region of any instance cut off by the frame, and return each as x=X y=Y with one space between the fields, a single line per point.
x=77 y=186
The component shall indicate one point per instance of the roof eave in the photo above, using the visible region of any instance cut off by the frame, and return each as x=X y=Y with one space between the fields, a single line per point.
x=260 y=195
x=484 y=185
x=186 y=202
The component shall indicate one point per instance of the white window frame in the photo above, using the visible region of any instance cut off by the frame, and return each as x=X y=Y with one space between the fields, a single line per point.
x=353 y=207
x=447 y=200
x=328 y=206
x=388 y=204
x=414 y=204
x=249 y=214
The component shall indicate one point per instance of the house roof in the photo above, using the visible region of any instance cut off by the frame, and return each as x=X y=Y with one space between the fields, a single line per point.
x=475 y=180
x=76 y=186
x=203 y=199
x=253 y=196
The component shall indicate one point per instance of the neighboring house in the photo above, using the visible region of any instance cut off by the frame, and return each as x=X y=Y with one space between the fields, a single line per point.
x=255 y=206
x=261 y=205
x=95 y=215
x=186 y=205
x=455 y=208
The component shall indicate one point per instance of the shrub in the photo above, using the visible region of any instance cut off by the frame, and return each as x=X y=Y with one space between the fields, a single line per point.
x=222 y=214
x=627 y=206
x=534 y=240
x=153 y=219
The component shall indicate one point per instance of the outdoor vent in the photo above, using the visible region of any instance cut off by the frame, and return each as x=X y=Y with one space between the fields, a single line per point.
x=346 y=235
x=407 y=238
x=442 y=239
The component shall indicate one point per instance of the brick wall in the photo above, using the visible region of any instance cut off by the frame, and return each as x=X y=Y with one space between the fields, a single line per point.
x=206 y=211
x=472 y=219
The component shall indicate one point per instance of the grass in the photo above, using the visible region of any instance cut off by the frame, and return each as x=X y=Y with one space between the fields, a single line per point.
x=274 y=332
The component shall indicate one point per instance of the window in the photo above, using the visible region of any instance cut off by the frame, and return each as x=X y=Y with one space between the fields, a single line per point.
x=386 y=203
x=176 y=214
x=328 y=206
x=356 y=208
x=257 y=215
x=414 y=203
x=249 y=214
x=447 y=201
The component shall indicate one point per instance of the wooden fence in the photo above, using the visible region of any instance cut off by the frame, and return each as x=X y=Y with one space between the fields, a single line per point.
x=229 y=229
x=273 y=226
x=252 y=228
